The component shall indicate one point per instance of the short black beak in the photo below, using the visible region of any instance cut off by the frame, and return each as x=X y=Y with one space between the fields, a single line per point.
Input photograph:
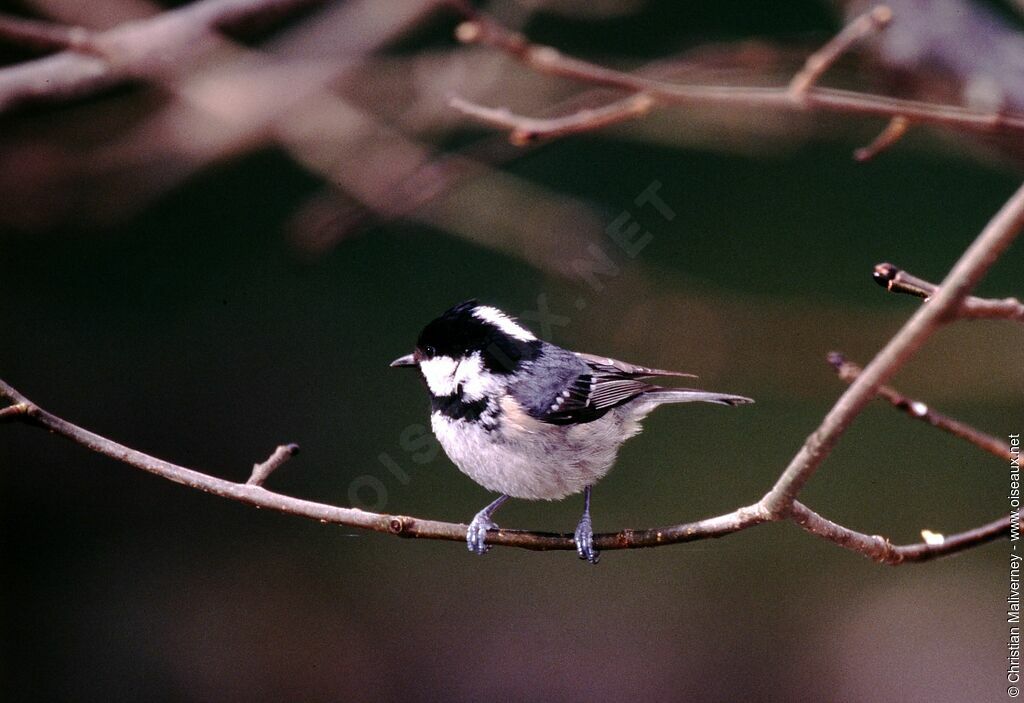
x=407 y=360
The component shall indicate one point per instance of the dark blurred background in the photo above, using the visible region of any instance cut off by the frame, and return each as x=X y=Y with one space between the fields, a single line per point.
x=207 y=268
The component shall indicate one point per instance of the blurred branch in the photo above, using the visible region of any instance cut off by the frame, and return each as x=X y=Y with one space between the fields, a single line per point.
x=523 y=130
x=849 y=371
x=39 y=35
x=132 y=51
x=800 y=96
x=896 y=280
x=821 y=60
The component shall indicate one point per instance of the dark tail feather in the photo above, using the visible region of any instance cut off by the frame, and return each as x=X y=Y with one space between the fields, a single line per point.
x=686 y=395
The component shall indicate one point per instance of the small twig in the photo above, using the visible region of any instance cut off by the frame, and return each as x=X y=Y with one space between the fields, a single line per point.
x=849 y=371
x=883 y=551
x=810 y=98
x=821 y=60
x=260 y=472
x=13 y=412
x=38 y=35
x=896 y=280
x=892 y=133
x=525 y=130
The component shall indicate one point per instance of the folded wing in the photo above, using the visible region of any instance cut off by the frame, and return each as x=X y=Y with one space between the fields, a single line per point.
x=603 y=384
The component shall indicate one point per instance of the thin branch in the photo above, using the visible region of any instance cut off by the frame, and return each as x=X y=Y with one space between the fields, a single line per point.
x=893 y=132
x=962 y=278
x=38 y=35
x=821 y=60
x=810 y=99
x=849 y=372
x=882 y=550
x=896 y=280
x=526 y=130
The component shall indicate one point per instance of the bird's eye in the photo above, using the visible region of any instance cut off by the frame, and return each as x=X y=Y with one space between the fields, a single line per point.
x=430 y=350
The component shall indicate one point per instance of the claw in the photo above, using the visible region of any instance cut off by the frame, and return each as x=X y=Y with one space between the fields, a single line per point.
x=476 y=534
x=584 y=536
x=584 y=539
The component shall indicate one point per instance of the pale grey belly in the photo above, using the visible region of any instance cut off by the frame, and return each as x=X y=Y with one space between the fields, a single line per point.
x=546 y=463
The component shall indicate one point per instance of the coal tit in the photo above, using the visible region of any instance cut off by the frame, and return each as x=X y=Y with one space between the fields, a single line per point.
x=528 y=419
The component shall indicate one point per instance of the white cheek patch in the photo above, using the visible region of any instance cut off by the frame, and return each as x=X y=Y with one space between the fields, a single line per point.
x=476 y=381
x=440 y=374
x=503 y=322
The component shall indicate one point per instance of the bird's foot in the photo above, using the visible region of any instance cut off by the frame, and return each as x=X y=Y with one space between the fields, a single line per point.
x=476 y=535
x=584 y=539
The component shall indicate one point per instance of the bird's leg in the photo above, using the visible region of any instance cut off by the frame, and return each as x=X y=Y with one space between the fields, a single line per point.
x=585 y=533
x=477 y=532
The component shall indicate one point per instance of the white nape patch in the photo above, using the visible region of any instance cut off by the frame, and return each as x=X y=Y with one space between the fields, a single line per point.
x=503 y=322
x=440 y=374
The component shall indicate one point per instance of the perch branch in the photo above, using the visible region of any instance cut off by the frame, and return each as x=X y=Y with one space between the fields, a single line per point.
x=896 y=280
x=849 y=371
x=252 y=493
x=800 y=96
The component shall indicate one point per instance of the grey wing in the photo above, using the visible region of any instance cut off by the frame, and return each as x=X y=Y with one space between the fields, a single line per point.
x=582 y=387
x=590 y=396
x=617 y=384
x=599 y=384
x=627 y=369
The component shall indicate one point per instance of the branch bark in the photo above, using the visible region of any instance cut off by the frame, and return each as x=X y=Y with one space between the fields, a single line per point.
x=801 y=95
x=252 y=493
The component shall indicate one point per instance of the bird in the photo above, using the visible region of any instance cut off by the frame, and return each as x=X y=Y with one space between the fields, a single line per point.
x=527 y=419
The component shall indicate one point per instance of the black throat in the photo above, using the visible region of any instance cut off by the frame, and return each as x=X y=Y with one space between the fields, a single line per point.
x=456 y=407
